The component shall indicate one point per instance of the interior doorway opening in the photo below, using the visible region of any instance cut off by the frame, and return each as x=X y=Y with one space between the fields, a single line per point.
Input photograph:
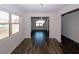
x=39 y=30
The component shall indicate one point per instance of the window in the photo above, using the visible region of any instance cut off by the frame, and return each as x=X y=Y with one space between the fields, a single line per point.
x=40 y=22
x=4 y=24
x=9 y=24
x=15 y=23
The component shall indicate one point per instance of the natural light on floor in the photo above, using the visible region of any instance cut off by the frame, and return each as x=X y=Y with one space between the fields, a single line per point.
x=39 y=38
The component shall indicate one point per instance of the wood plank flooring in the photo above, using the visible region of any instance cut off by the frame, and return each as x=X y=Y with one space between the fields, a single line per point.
x=69 y=46
x=52 y=46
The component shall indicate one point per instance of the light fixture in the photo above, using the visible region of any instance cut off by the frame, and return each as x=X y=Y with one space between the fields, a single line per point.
x=40 y=22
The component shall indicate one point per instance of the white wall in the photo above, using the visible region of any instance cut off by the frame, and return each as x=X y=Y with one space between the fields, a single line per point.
x=69 y=8
x=7 y=45
x=70 y=23
x=54 y=24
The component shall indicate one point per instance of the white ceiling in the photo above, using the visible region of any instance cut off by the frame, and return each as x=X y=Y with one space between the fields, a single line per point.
x=37 y=8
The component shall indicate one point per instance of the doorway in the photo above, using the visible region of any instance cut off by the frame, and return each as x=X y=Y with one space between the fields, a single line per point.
x=39 y=30
x=70 y=31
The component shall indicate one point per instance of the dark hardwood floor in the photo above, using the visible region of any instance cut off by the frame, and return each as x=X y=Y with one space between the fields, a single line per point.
x=69 y=46
x=50 y=47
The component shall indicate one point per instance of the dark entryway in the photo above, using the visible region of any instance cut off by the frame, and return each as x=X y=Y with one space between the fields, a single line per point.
x=39 y=30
